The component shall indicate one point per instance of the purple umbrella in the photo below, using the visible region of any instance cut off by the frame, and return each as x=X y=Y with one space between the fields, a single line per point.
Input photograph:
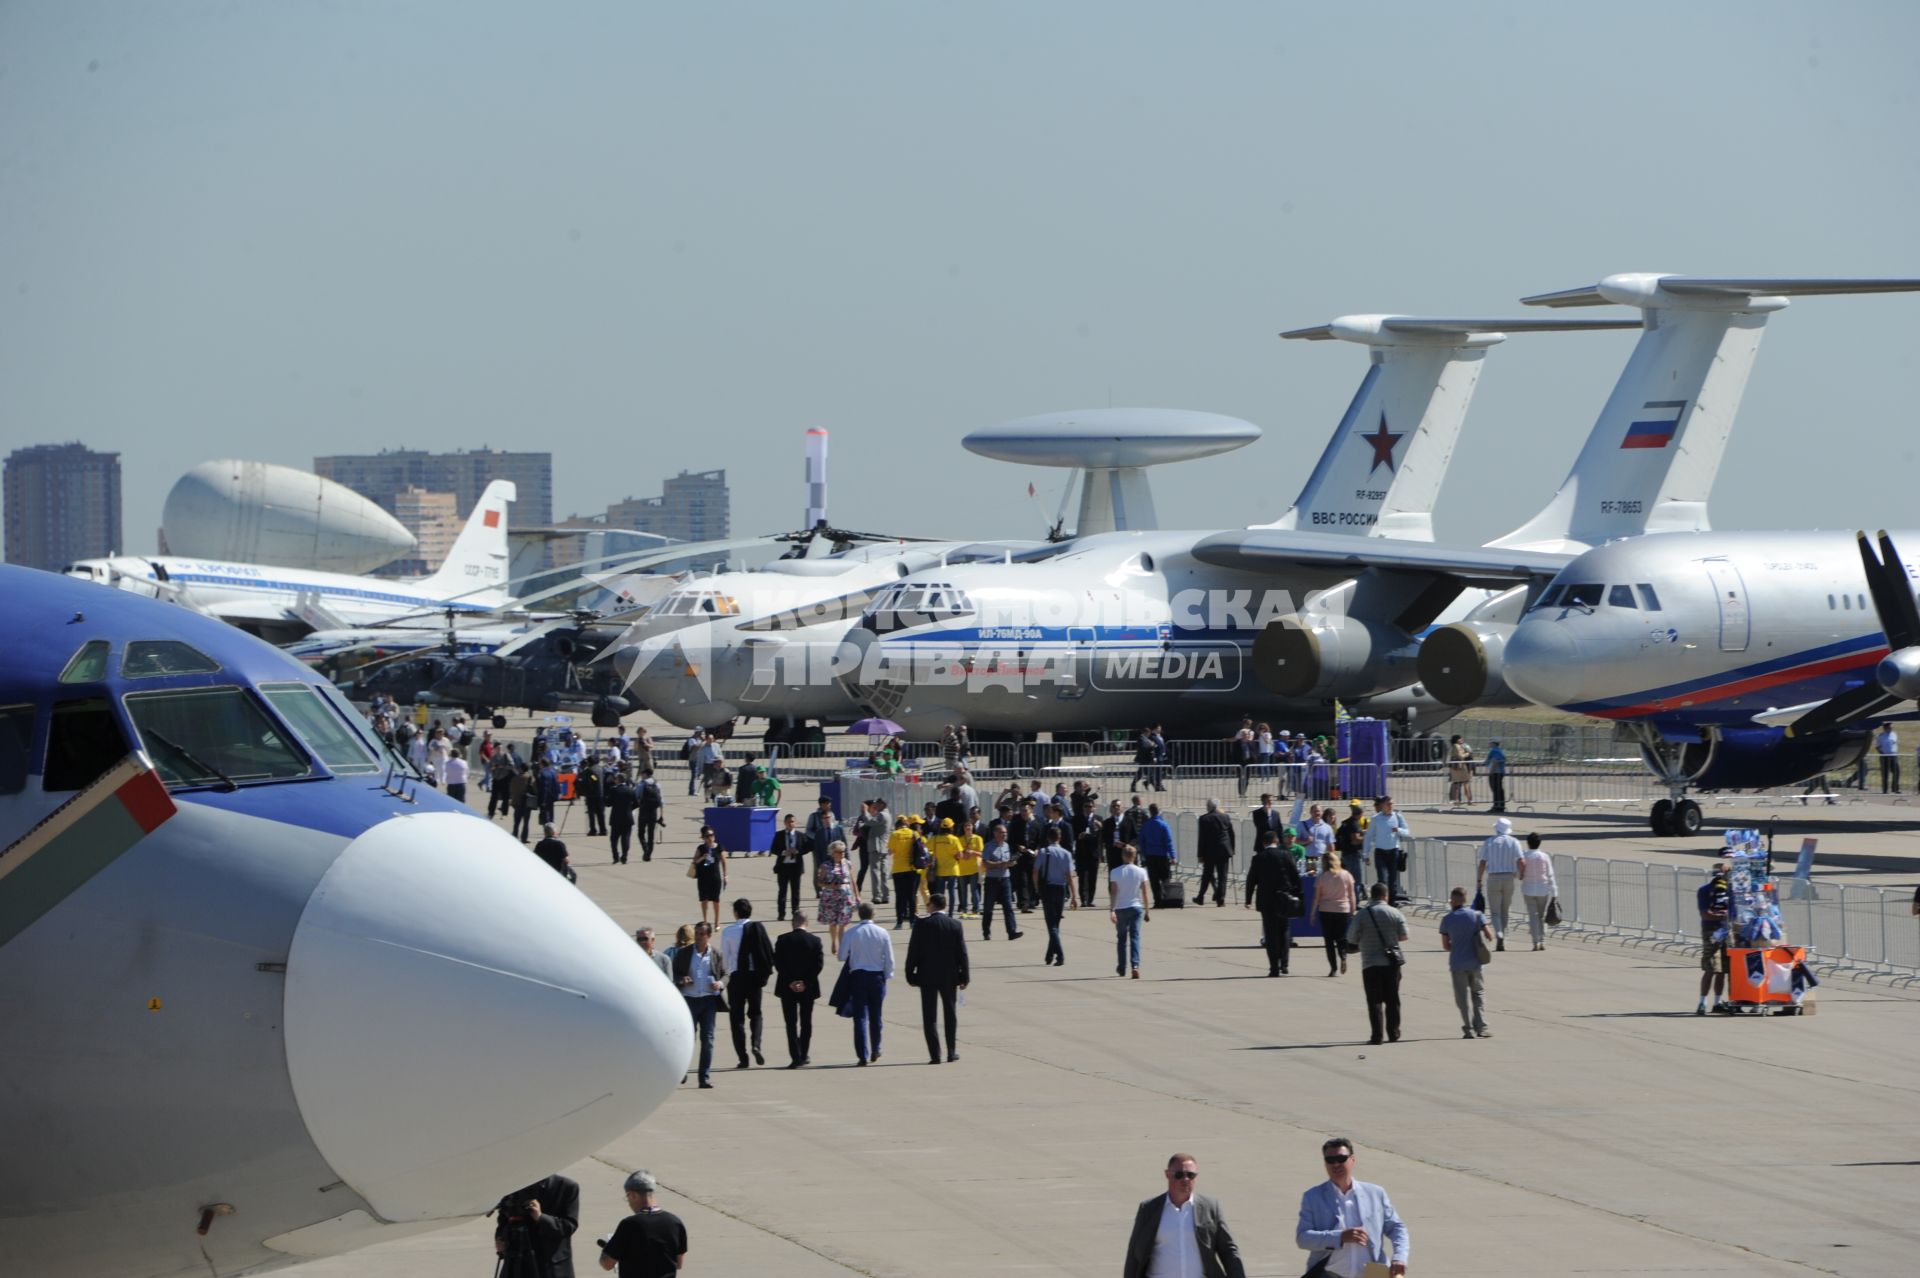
x=875 y=728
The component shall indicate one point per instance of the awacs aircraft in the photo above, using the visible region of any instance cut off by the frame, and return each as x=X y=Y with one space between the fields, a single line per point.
x=1158 y=629
x=282 y=604
x=264 y=999
x=1734 y=660
x=1378 y=475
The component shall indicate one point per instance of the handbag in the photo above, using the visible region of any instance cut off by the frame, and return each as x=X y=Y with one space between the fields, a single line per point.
x=1394 y=956
x=1553 y=911
x=1481 y=950
x=693 y=868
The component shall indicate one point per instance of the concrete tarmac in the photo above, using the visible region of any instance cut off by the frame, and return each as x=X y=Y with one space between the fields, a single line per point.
x=1603 y=1129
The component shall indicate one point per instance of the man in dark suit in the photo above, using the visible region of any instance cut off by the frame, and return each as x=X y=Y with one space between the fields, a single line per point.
x=823 y=831
x=1216 y=853
x=797 y=959
x=1267 y=819
x=621 y=802
x=650 y=803
x=748 y=954
x=1181 y=1223
x=1273 y=887
x=937 y=964
x=789 y=865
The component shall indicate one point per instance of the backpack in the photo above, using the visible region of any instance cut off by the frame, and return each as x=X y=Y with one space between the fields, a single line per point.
x=922 y=858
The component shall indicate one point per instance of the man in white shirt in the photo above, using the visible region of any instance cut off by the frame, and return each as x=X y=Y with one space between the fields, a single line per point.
x=1384 y=833
x=868 y=952
x=1499 y=863
x=1127 y=907
x=454 y=774
x=1886 y=743
x=1181 y=1234
x=699 y=971
x=1348 y=1223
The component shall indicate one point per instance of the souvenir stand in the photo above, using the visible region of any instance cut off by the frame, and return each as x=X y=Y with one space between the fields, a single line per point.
x=1764 y=973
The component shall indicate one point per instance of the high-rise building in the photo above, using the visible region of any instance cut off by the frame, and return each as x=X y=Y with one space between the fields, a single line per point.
x=62 y=504
x=692 y=506
x=384 y=476
x=434 y=520
x=381 y=477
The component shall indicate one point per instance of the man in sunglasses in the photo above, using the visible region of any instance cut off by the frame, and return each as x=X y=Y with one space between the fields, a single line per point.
x=1181 y=1234
x=1347 y=1224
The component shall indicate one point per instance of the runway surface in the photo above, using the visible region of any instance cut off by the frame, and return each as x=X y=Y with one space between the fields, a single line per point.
x=1603 y=1129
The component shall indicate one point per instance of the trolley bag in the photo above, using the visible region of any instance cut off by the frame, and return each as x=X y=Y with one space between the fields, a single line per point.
x=1173 y=895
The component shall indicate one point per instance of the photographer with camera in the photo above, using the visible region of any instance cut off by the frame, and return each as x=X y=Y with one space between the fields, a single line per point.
x=534 y=1235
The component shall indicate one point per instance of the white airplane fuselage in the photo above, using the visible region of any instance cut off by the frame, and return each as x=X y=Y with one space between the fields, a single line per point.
x=1737 y=625
x=1119 y=628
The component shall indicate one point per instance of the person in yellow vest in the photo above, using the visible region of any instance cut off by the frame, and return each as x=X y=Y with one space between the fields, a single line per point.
x=946 y=848
x=902 y=845
x=972 y=848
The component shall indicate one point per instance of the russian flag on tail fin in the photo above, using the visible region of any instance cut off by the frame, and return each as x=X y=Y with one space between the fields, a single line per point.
x=1653 y=426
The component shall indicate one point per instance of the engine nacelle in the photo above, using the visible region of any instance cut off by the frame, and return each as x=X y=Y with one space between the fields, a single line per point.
x=1899 y=673
x=1332 y=656
x=1460 y=664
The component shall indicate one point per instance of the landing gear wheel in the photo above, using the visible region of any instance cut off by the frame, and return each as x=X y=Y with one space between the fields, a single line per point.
x=499 y=721
x=1661 y=818
x=1686 y=818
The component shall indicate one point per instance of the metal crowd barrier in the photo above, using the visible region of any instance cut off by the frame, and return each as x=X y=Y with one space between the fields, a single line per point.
x=1868 y=930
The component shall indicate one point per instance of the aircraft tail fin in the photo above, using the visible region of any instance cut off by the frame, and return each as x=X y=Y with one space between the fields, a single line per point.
x=1380 y=473
x=476 y=566
x=1650 y=461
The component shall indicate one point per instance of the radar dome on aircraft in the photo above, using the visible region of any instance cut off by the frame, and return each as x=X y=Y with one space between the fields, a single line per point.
x=1111 y=447
x=262 y=513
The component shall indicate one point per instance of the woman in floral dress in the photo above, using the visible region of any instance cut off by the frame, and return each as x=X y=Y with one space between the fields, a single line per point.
x=838 y=895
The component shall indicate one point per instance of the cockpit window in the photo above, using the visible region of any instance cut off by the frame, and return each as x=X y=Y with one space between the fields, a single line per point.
x=336 y=744
x=148 y=658
x=1584 y=594
x=16 y=747
x=1551 y=598
x=1648 y=600
x=910 y=604
x=1620 y=596
x=82 y=742
x=206 y=736
x=89 y=665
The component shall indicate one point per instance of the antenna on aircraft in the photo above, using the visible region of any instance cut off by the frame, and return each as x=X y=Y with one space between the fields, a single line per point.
x=1109 y=450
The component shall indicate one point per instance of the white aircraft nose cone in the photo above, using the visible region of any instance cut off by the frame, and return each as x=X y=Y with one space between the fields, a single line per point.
x=1542 y=664
x=461 y=1021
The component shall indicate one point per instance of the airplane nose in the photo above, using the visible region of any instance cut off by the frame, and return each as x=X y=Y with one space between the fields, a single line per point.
x=461 y=1021
x=1541 y=664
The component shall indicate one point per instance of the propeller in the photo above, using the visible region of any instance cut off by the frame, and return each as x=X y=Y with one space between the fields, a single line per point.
x=1898 y=675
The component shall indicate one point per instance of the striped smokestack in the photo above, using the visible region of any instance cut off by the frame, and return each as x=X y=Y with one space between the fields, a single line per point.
x=816 y=477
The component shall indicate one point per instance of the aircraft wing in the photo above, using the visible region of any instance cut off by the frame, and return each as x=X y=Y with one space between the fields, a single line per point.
x=1266 y=550
x=234 y=611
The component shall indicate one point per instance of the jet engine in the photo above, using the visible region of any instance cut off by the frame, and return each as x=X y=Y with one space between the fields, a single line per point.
x=1332 y=656
x=1460 y=664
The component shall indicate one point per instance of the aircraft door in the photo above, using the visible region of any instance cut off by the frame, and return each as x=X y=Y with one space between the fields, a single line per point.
x=761 y=674
x=1080 y=658
x=1731 y=595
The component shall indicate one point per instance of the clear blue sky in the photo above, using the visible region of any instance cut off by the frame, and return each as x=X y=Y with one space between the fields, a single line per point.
x=661 y=236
